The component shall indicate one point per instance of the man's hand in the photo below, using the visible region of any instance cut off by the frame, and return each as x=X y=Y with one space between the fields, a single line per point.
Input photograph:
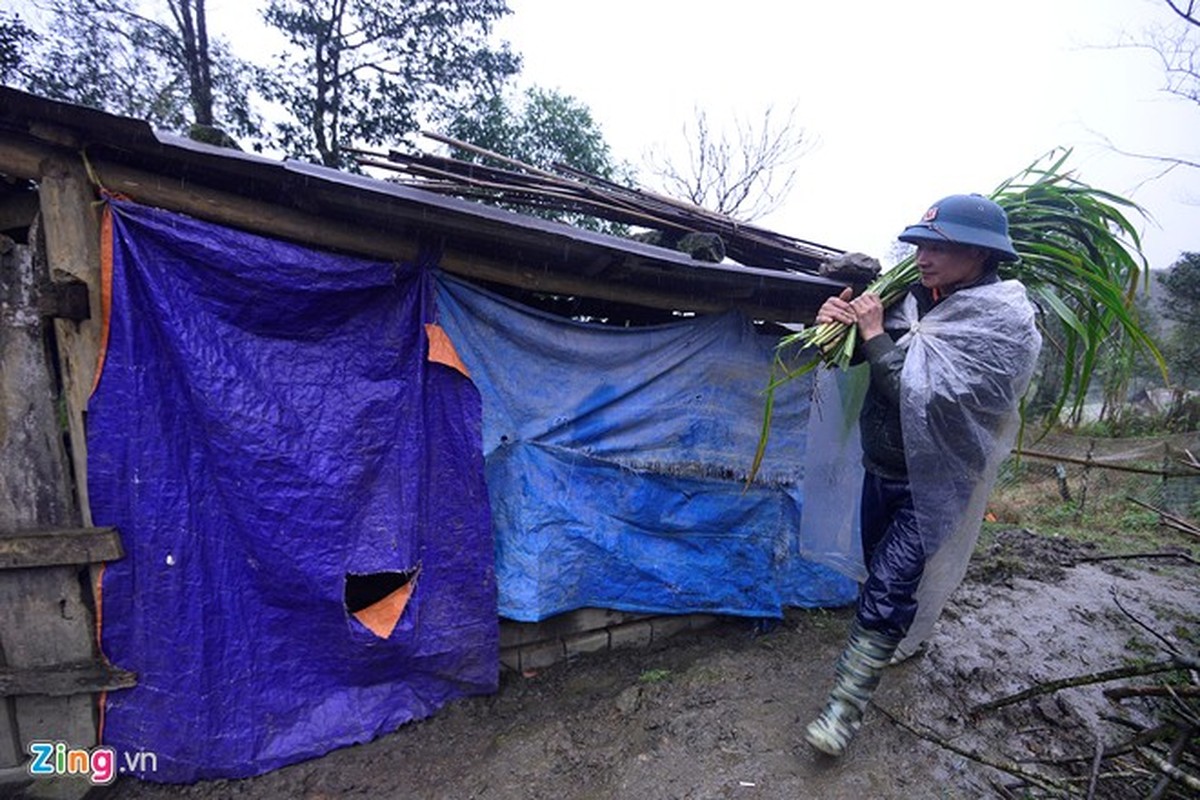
x=865 y=311
x=868 y=312
x=837 y=309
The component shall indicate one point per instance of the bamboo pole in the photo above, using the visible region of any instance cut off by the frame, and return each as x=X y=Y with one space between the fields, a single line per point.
x=1087 y=462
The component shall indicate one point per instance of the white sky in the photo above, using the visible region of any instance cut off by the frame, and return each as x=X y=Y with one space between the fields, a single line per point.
x=906 y=101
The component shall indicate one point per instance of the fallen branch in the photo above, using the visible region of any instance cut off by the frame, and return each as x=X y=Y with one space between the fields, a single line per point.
x=1128 y=724
x=1095 y=776
x=1183 y=556
x=1170 y=665
x=1168 y=519
x=1034 y=779
x=1173 y=772
x=1143 y=736
x=1001 y=789
x=1121 y=692
x=1167 y=643
x=1126 y=774
x=1177 y=751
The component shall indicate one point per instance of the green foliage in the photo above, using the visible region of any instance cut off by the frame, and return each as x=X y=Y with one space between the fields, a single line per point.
x=1081 y=261
x=1099 y=511
x=363 y=72
x=1181 y=417
x=1138 y=519
x=1181 y=305
x=108 y=54
x=354 y=73
x=542 y=128
x=15 y=36
x=655 y=676
x=1182 y=282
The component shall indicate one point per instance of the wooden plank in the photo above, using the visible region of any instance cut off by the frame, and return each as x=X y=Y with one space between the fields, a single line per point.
x=44 y=548
x=66 y=300
x=45 y=622
x=19 y=158
x=64 y=680
x=71 y=228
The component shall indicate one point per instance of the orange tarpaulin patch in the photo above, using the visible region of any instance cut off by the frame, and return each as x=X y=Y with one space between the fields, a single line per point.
x=380 y=618
x=106 y=276
x=441 y=349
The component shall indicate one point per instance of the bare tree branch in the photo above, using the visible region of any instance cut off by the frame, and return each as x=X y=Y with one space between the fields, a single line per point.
x=1180 y=56
x=1031 y=778
x=1170 y=162
x=1188 y=12
x=745 y=176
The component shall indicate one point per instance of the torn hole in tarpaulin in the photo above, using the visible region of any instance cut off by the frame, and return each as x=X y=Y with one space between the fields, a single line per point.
x=378 y=599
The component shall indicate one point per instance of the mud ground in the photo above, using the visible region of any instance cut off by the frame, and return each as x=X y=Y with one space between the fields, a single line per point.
x=719 y=713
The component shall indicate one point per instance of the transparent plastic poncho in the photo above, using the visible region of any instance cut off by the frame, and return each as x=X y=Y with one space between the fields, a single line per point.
x=967 y=363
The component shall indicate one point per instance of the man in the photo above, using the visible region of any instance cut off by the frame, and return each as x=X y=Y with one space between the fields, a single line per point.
x=948 y=365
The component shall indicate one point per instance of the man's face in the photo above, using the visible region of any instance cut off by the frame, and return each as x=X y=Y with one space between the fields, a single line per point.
x=944 y=265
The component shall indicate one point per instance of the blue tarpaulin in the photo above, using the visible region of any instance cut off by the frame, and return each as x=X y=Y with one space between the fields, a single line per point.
x=279 y=455
x=616 y=459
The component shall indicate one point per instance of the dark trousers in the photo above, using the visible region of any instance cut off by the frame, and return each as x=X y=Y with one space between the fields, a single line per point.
x=893 y=554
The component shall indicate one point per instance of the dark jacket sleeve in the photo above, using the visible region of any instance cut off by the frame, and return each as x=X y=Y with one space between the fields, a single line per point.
x=886 y=361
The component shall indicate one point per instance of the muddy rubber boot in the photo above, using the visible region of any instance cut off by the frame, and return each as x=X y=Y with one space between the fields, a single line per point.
x=857 y=675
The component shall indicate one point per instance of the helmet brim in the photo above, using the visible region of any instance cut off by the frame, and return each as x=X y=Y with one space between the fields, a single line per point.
x=960 y=234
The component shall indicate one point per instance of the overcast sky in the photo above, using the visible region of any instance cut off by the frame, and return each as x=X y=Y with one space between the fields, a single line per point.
x=905 y=102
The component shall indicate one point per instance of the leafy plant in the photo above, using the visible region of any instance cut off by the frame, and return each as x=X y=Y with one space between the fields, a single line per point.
x=365 y=73
x=655 y=676
x=1080 y=260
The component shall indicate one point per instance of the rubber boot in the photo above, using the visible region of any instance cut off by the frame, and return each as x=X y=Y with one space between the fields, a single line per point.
x=857 y=675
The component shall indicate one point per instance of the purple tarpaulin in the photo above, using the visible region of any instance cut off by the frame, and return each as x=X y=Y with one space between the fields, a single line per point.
x=278 y=453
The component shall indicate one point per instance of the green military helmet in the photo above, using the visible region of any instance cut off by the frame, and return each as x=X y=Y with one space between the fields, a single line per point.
x=969 y=219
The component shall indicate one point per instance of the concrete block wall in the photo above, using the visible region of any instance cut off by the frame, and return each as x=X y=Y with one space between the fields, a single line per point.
x=531 y=646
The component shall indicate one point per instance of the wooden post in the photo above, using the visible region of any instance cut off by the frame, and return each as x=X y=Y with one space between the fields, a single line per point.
x=1084 y=482
x=71 y=227
x=44 y=619
x=1064 y=491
